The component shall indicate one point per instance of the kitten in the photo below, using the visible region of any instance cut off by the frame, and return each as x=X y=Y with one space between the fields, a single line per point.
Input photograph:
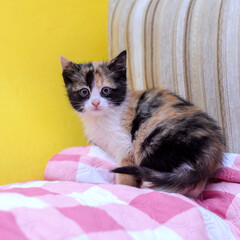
x=154 y=135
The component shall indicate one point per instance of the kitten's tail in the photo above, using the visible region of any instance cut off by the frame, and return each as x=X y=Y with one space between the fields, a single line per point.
x=179 y=181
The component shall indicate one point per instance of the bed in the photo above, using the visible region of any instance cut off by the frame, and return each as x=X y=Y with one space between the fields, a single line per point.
x=79 y=200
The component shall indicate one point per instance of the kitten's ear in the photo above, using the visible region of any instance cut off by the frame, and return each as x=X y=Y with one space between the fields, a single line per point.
x=118 y=64
x=64 y=62
x=68 y=68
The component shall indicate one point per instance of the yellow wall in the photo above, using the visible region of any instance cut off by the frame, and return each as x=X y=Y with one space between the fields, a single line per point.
x=36 y=120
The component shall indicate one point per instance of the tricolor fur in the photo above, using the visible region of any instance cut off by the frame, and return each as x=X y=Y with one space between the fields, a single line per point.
x=153 y=135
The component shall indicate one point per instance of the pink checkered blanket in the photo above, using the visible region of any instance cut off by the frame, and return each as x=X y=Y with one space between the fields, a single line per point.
x=79 y=200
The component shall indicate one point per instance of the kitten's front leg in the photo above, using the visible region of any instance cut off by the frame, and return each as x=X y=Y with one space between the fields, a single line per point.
x=128 y=179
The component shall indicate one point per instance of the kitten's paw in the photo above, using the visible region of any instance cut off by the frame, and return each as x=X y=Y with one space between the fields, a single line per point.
x=128 y=180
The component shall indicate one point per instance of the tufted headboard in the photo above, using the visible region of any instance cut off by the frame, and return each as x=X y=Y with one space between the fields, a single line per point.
x=191 y=47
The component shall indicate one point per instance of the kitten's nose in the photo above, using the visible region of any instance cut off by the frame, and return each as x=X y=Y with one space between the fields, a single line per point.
x=95 y=103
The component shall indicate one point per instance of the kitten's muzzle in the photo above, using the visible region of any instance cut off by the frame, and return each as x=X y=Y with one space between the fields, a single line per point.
x=95 y=103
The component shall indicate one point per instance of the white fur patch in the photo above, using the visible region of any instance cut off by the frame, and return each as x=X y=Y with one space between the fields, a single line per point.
x=104 y=128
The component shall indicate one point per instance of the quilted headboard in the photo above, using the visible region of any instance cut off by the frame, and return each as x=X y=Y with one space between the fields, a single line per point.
x=191 y=47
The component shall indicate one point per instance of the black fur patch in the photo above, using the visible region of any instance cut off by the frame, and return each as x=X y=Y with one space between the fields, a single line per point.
x=117 y=71
x=145 y=109
x=77 y=101
x=172 y=181
x=181 y=106
x=117 y=96
x=118 y=64
x=138 y=118
x=69 y=72
x=89 y=79
x=181 y=144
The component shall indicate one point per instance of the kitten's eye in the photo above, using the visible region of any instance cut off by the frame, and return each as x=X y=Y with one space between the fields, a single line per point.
x=84 y=92
x=106 y=91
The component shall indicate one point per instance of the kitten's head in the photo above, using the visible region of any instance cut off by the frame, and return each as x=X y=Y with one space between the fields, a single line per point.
x=96 y=88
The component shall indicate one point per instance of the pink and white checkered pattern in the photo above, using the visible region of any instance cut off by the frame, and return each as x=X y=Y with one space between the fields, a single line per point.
x=81 y=164
x=68 y=209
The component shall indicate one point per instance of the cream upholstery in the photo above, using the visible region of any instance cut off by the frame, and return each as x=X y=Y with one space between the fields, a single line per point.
x=191 y=47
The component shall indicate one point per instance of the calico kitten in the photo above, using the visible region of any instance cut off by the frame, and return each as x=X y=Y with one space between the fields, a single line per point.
x=154 y=135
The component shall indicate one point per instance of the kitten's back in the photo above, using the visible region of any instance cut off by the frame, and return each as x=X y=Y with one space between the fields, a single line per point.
x=176 y=145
